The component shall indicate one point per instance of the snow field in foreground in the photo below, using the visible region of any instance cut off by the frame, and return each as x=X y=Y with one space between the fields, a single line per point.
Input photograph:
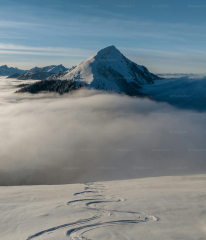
x=148 y=208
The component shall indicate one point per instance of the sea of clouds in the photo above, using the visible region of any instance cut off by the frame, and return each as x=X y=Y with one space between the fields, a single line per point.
x=90 y=135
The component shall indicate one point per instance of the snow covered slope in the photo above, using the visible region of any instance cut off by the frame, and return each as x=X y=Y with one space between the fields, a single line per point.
x=109 y=69
x=7 y=71
x=159 y=208
x=42 y=73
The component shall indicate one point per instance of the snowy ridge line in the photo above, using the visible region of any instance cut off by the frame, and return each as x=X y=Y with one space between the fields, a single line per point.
x=37 y=73
x=102 y=217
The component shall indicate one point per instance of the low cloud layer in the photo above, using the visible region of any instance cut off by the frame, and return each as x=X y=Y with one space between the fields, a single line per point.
x=91 y=136
x=186 y=92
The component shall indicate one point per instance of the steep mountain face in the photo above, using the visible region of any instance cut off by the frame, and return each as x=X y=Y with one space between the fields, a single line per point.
x=43 y=73
x=7 y=71
x=109 y=69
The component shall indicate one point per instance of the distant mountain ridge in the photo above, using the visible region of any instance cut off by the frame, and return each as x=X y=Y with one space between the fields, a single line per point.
x=108 y=69
x=15 y=75
x=37 y=73
x=7 y=71
x=181 y=75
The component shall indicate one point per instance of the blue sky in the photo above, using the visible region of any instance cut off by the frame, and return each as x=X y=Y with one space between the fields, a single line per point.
x=165 y=36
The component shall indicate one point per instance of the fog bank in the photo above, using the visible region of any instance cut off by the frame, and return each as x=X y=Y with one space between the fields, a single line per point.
x=91 y=136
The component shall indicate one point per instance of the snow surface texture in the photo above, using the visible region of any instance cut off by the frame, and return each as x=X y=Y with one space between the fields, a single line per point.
x=42 y=73
x=6 y=71
x=151 y=208
x=109 y=69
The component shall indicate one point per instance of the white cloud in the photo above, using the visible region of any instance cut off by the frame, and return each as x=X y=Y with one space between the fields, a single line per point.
x=46 y=138
x=49 y=51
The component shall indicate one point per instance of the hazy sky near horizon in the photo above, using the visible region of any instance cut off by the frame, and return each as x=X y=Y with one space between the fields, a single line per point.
x=163 y=35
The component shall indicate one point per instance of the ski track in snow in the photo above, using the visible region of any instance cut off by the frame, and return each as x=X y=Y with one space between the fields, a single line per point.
x=109 y=217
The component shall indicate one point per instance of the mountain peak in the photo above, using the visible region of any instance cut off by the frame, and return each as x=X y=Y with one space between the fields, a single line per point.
x=4 y=66
x=110 y=69
x=110 y=50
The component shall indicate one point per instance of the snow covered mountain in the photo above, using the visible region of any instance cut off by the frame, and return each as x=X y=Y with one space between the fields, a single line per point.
x=7 y=71
x=109 y=69
x=42 y=73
